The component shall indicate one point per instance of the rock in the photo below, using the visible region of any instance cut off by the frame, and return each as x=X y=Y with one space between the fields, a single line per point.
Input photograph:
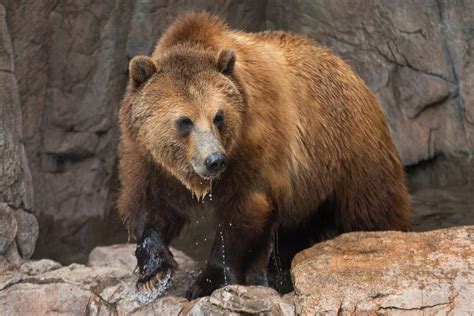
x=15 y=179
x=364 y=272
x=42 y=299
x=75 y=288
x=39 y=267
x=8 y=278
x=12 y=255
x=123 y=256
x=387 y=272
x=28 y=231
x=16 y=189
x=246 y=300
x=8 y=227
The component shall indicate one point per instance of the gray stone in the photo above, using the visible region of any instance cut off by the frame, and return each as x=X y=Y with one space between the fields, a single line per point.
x=12 y=256
x=15 y=178
x=27 y=234
x=8 y=227
x=39 y=267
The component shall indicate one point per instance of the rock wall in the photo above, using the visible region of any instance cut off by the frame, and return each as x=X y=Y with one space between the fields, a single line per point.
x=18 y=227
x=71 y=65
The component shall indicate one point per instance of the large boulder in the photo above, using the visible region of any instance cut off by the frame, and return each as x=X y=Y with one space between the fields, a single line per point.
x=387 y=272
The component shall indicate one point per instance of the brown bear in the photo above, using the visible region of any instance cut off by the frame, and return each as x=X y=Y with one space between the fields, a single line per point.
x=288 y=138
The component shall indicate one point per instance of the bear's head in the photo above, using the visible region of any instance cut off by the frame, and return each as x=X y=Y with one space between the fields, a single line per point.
x=186 y=109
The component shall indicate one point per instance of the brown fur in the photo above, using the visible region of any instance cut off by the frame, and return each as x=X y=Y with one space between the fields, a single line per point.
x=307 y=142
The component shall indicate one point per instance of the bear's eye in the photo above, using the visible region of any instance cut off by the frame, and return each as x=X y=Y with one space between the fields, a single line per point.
x=184 y=125
x=219 y=120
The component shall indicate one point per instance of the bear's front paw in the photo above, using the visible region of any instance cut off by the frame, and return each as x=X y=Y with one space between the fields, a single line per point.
x=209 y=280
x=155 y=262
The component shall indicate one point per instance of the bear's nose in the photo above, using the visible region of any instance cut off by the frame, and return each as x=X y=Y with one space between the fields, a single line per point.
x=216 y=163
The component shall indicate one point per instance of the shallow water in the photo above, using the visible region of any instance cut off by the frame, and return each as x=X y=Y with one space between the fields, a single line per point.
x=443 y=207
x=434 y=208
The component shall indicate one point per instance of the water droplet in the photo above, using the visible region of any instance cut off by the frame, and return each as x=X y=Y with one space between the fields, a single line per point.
x=223 y=257
x=205 y=239
x=230 y=224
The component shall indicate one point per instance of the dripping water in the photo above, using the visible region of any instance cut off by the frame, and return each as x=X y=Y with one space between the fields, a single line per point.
x=223 y=255
x=277 y=260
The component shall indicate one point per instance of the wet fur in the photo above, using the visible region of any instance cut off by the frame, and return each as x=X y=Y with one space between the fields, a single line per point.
x=306 y=140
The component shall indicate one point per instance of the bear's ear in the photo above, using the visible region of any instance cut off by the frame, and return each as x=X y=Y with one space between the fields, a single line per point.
x=226 y=61
x=141 y=68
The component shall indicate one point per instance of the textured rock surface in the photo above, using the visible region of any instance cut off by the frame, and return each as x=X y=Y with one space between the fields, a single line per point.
x=18 y=227
x=377 y=273
x=71 y=64
x=8 y=227
x=388 y=272
x=242 y=300
x=122 y=256
x=107 y=286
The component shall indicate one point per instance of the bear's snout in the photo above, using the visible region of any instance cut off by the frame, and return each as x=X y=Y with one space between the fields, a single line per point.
x=216 y=163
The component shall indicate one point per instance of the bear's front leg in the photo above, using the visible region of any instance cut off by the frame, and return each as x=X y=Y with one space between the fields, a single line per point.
x=155 y=262
x=243 y=239
x=154 y=233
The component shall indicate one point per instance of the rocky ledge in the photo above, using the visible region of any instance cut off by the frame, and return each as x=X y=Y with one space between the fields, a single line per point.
x=386 y=272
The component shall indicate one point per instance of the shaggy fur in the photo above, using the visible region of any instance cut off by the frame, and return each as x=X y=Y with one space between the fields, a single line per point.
x=308 y=145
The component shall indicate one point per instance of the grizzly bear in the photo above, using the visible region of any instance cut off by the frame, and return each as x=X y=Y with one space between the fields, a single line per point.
x=287 y=138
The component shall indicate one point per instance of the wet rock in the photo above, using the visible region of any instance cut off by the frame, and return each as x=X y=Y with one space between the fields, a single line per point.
x=387 y=272
x=237 y=300
x=122 y=256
